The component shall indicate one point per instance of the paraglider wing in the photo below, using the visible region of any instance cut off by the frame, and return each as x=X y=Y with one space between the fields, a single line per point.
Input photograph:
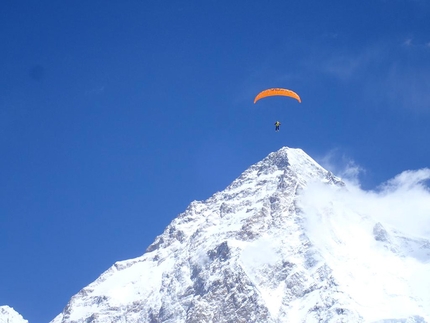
x=279 y=92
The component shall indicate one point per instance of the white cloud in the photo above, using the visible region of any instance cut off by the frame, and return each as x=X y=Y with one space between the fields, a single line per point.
x=343 y=67
x=402 y=203
x=96 y=90
x=341 y=165
x=385 y=278
x=408 y=86
x=411 y=42
x=407 y=42
x=392 y=75
x=346 y=65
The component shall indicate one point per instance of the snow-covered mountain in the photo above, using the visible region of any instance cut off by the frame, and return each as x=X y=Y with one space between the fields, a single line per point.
x=274 y=246
x=9 y=315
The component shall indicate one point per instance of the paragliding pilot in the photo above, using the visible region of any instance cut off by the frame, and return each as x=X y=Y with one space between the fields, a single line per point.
x=277 y=124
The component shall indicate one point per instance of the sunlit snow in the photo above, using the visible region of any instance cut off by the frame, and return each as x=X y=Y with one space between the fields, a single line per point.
x=287 y=241
x=9 y=315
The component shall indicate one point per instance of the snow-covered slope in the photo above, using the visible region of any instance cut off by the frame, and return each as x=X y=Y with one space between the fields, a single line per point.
x=262 y=251
x=9 y=315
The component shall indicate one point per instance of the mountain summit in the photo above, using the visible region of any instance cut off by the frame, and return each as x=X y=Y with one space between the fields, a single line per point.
x=9 y=315
x=262 y=251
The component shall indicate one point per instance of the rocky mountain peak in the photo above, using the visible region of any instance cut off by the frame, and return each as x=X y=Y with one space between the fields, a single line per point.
x=9 y=315
x=246 y=254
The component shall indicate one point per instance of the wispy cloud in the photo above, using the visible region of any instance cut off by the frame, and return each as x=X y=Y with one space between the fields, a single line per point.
x=408 y=86
x=342 y=165
x=331 y=35
x=407 y=42
x=344 y=64
x=394 y=75
x=413 y=43
x=96 y=90
x=342 y=67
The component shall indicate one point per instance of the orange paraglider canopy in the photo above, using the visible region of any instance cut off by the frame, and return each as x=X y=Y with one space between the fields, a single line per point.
x=277 y=91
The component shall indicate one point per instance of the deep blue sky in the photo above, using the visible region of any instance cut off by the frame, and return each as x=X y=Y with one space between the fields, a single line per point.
x=115 y=115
